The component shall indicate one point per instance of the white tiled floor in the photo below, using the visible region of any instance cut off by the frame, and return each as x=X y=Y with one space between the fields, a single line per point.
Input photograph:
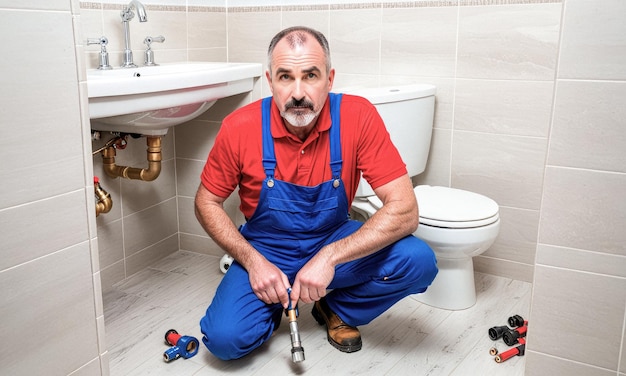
x=409 y=339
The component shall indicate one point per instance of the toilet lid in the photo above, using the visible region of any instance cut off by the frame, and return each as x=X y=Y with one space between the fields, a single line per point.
x=454 y=208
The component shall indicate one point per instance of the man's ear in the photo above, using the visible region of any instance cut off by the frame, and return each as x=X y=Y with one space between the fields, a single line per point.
x=268 y=75
x=331 y=79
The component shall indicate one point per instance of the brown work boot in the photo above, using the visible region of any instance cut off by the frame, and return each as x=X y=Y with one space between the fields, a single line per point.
x=344 y=337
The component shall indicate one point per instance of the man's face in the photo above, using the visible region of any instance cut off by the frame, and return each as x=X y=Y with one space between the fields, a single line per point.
x=299 y=81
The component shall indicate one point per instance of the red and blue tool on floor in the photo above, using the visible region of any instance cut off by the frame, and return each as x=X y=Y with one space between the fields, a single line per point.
x=513 y=334
x=182 y=346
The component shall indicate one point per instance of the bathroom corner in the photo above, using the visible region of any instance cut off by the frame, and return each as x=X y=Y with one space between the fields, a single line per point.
x=529 y=111
x=51 y=301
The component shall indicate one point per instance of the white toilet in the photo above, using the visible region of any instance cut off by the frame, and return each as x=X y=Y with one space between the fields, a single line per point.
x=457 y=224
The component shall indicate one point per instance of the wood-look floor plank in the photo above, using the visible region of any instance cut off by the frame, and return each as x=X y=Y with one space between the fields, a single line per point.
x=410 y=338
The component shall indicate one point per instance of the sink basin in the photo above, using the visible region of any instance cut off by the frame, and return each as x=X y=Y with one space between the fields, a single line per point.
x=150 y=100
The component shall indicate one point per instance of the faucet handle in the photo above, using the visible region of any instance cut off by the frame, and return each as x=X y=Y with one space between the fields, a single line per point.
x=149 y=54
x=102 y=40
x=104 y=55
x=149 y=40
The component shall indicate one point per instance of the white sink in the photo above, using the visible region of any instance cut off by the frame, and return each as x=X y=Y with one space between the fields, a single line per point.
x=149 y=100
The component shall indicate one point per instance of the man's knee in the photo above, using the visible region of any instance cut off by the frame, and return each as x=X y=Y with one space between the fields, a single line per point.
x=223 y=340
x=420 y=263
x=232 y=336
x=219 y=339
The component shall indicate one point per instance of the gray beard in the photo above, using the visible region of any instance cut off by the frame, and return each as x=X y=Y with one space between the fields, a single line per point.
x=299 y=118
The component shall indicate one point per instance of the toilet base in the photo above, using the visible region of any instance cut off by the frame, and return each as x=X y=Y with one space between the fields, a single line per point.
x=453 y=287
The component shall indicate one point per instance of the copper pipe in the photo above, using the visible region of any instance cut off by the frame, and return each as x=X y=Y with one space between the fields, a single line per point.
x=145 y=174
x=104 y=201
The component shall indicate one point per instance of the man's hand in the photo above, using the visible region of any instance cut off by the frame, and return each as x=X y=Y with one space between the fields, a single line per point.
x=313 y=279
x=269 y=283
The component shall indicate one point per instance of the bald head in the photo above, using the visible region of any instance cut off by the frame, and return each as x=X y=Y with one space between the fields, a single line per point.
x=298 y=36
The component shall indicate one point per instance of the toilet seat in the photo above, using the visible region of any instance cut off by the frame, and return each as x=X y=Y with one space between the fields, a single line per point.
x=450 y=208
x=454 y=208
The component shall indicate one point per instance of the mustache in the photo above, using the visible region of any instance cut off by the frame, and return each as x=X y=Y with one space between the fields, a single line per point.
x=302 y=103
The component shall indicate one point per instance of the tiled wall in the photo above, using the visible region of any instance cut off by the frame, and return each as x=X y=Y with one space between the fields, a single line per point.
x=579 y=297
x=529 y=112
x=50 y=298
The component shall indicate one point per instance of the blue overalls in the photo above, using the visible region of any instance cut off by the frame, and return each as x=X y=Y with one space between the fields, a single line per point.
x=289 y=226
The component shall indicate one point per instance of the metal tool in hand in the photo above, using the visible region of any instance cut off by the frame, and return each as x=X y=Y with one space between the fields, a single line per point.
x=297 y=351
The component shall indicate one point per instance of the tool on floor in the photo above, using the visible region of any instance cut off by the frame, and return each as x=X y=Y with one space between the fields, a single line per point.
x=515 y=351
x=297 y=351
x=511 y=336
x=182 y=346
x=496 y=332
x=517 y=321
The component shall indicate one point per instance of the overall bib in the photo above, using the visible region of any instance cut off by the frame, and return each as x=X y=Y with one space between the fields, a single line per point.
x=289 y=226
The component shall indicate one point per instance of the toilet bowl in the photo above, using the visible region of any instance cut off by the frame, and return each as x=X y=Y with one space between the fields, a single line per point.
x=455 y=223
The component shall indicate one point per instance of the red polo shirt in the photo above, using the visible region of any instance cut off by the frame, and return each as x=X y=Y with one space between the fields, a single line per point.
x=236 y=157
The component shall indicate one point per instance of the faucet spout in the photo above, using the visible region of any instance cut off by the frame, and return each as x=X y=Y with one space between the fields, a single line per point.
x=141 y=10
x=127 y=14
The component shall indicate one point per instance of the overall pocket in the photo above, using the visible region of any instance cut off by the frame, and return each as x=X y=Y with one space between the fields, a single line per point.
x=302 y=216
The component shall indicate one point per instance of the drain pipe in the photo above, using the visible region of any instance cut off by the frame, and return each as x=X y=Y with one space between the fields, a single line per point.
x=145 y=174
x=104 y=202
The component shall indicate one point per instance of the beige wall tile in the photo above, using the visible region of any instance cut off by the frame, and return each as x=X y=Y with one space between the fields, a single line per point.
x=187 y=221
x=575 y=314
x=538 y=364
x=317 y=19
x=588 y=128
x=200 y=244
x=206 y=29
x=593 y=44
x=91 y=368
x=140 y=260
x=438 y=166
x=622 y=362
x=517 y=239
x=35 y=118
x=521 y=108
x=354 y=39
x=110 y=243
x=419 y=41
x=188 y=173
x=576 y=259
x=42 y=227
x=111 y=275
x=249 y=35
x=36 y=4
x=150 y=226
x=508 y=169
x=195 y=138
x=206 y=54
x=509 y=41
x=581 y=210
x=504 y=268
x=44 y=322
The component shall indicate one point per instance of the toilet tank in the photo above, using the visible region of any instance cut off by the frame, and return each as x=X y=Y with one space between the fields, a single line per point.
x=408 y=112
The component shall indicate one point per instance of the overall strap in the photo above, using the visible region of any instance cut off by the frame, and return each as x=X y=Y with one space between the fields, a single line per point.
x=269 y=158
x=335 y=135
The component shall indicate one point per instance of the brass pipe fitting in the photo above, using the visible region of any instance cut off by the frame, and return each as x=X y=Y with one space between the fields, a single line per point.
x=104 y=202
x=145 y=174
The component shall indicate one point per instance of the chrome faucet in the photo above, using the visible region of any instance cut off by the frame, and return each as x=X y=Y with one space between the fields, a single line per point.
x=127 y=15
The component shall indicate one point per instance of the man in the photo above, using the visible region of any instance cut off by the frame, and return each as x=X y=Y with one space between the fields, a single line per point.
x=297 y=157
